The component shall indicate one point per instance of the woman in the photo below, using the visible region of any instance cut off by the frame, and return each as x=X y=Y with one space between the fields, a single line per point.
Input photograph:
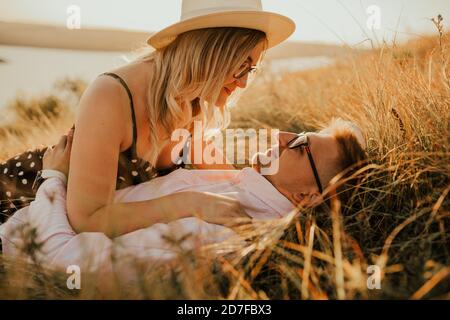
x=125 y=118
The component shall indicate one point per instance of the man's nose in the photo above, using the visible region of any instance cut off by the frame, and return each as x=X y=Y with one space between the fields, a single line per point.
x=285 y=137
x=282 y=140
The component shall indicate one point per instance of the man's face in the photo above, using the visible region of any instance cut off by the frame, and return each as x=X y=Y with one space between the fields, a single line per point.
x=295 y=177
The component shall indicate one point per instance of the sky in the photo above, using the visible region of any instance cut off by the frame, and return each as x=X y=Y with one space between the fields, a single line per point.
x=33 y=71
x=328 y=21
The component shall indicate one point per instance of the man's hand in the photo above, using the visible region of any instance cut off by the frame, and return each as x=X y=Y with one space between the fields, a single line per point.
x=58 y=157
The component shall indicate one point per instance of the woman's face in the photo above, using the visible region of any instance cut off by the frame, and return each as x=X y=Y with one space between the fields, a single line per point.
x=231 y=83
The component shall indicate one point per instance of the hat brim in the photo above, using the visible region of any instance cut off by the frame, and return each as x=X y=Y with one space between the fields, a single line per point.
x=277 y=27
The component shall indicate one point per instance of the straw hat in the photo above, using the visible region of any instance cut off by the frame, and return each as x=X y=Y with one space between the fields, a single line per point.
x=200 y=14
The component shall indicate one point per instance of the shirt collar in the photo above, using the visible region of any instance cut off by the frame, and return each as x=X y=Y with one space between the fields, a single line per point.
x=261 y=188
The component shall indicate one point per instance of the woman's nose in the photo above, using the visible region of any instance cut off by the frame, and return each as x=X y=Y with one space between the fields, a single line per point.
x=242 y=82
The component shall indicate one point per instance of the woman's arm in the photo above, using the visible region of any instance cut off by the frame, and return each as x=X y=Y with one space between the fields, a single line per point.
x=115 y=219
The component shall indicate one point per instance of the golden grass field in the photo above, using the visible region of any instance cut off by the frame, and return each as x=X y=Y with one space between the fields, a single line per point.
x=397 y=218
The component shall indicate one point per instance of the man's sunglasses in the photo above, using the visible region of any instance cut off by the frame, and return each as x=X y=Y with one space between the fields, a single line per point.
x=302 y=141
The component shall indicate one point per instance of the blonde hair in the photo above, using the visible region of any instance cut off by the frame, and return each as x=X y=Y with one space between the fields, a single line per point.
x=190 y=73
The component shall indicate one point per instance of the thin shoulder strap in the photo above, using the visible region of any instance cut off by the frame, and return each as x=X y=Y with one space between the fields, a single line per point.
x=130 y=96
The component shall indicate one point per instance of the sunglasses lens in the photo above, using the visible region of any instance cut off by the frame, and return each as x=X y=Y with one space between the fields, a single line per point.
x=298 y=142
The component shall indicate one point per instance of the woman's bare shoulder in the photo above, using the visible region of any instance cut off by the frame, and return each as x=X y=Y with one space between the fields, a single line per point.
x=104 y=89
x=104 y=96
x=104 y=103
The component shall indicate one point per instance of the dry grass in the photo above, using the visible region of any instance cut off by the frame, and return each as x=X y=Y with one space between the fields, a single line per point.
x=397 y=217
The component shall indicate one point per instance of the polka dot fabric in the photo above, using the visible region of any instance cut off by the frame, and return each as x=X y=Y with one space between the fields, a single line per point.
x=16 y=179
x=133 y=170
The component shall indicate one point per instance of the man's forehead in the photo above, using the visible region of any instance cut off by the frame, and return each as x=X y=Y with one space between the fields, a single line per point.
x=323 y=145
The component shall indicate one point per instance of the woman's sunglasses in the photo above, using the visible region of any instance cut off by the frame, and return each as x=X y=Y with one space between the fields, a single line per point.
x=244 y=69
x=302 y=141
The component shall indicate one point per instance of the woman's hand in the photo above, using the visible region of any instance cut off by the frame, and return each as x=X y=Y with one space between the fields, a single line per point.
x=213 y=208
x=58 y=157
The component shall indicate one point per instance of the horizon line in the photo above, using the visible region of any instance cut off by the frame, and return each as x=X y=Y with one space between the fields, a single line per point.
x=52 y=36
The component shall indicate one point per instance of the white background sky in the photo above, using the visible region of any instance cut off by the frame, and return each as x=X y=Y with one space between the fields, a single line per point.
x=332 y=21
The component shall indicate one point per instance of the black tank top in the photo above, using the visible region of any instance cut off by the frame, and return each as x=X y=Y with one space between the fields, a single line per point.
x=133 y=170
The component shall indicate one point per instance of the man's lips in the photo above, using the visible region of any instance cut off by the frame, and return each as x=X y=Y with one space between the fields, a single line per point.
x=273 y=152
x=228 y=91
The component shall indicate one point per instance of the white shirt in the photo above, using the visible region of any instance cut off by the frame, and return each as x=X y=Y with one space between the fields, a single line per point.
x=246 y=185
x=93 y=250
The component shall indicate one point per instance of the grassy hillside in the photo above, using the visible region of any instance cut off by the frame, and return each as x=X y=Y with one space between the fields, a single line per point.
x=397 y=218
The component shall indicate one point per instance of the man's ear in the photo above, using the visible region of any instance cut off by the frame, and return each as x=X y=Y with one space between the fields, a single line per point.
x=307 y=200
x=298 y=198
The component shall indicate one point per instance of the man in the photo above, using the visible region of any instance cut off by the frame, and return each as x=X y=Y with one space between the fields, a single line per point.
x=306 y=162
